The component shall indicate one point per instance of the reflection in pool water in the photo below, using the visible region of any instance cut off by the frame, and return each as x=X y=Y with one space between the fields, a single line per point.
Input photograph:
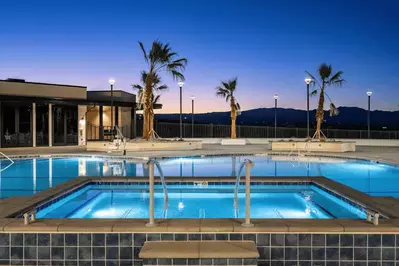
x=29 y=176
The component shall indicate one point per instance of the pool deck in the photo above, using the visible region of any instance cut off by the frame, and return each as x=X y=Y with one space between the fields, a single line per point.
x=18 y=205
x=381 y=154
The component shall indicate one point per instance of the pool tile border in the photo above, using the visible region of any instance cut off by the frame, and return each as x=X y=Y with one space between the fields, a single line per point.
x=145 y=158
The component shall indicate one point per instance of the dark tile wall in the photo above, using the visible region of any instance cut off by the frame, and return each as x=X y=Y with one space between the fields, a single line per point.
x=275 y=249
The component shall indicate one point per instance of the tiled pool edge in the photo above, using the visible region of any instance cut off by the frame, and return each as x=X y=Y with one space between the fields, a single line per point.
x=274 y=248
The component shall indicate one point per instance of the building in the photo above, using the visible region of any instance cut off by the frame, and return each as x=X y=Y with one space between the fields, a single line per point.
x=41 y=114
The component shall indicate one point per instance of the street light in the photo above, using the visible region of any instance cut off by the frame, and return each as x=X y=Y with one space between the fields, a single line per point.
x=111 y=82
x=368 y=113
x=275 y=114
x=307 y=81
x=181 y=84
x=192 y=115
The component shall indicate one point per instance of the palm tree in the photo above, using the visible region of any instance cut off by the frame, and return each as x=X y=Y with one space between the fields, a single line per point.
x=159 y=58
x=226 y=90
x=155 y=88
x=326 y=79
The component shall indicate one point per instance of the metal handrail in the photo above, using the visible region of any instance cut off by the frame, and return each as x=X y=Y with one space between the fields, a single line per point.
x=150 y=163
x=248 y=165
x=12 y=162
x=238 y=177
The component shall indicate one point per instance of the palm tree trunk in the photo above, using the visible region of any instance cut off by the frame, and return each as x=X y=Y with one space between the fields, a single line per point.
x=147 y=126
x=320 y=113
x=233 y=119
x=152 y=123
x=233 y=128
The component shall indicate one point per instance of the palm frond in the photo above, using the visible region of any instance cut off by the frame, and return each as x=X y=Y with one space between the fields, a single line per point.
x=333 y=110
x=336 y=76
x=238 y=107
x=144 y=52
x=221 y=93
x=233 y=84
x=161 y=88
x=177 y=75
x=144 y=76
x=137 y=87
x=226 y=85
x=338 y=83
x=325 y=71
x=313 y=93
x=314 y=80
x=223 y=90
x=156 y=99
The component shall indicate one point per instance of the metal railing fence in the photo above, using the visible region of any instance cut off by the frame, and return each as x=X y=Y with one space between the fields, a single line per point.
x=172 y=130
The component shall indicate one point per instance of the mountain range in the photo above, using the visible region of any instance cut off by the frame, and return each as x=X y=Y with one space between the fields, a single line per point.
x=349 y=118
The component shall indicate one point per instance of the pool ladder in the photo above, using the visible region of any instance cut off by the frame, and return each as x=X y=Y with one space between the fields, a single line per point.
x=248 y=164
x=8 y=158
x=151 y=166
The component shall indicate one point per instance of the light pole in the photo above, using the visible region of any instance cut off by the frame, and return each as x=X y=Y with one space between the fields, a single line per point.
x=307 y=81
x=192 y=115
x=111 y=82
x=180 y=84
x=368 y=113
x=275 y=115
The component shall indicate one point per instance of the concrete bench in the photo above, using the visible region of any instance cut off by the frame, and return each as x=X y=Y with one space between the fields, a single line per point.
x=199 y=250
x=233 y=142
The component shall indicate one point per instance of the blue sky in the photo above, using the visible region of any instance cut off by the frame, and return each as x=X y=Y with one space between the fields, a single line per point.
x=267 y=44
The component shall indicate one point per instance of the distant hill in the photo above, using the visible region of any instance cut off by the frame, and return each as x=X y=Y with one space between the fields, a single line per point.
x=349 y=117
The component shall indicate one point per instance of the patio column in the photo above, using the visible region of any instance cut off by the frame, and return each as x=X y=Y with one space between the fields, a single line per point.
x=101 y=126
x=34 y=124
x=50 y=125
x=133 y=122
x=82 y=110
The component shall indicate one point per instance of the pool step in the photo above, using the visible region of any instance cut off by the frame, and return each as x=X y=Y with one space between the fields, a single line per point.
x=197 y=252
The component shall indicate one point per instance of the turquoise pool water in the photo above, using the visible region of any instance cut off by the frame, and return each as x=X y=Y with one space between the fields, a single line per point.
x=29 y=176
x=189 y=201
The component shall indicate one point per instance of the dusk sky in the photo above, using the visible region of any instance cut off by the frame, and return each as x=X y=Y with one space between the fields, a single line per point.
x=268 y=45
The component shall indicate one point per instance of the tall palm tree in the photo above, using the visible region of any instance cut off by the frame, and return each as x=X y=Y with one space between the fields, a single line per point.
x=155 y=88
x=326 y=79
x=159 y=58
x=226 y=90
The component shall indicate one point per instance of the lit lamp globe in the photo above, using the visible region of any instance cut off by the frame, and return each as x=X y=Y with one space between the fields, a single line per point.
x=275 y=96
x=192 y=97
x=180 y=84
x=308 y=80
x=369 y=93
x=111 y=81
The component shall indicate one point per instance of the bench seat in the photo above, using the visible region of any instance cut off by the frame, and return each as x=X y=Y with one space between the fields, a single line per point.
x=199 y=249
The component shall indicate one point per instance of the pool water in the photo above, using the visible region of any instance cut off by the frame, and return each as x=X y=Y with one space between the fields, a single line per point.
x=267 y=201
x=29 y=176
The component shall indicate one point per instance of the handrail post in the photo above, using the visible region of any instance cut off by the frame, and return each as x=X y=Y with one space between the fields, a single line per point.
x=247 y=222
x=151 y=223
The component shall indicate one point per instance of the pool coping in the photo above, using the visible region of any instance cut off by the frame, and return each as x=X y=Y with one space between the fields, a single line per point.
x=16 y=205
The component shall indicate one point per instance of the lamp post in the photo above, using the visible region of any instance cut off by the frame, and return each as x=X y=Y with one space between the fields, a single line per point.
x=181 y=84
x=111 y=82
x=275 y=115
x=192 y=115
x=368 y=113
x=307 y=81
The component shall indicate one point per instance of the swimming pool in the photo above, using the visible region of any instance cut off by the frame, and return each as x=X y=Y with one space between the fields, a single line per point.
x=296 y=201
x=29 y=176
